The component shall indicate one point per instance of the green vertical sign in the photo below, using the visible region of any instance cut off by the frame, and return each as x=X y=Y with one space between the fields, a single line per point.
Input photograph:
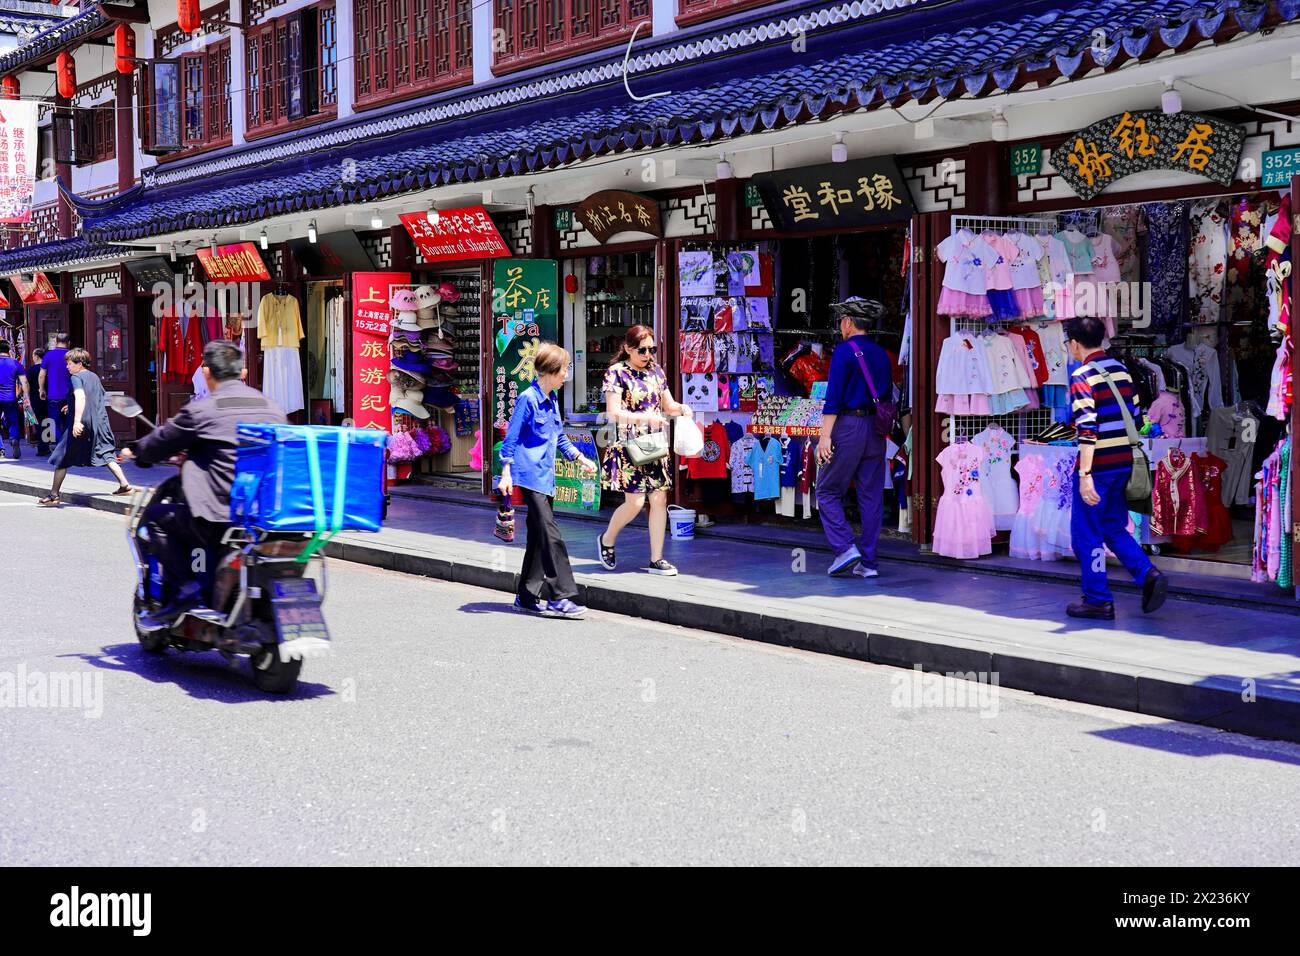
x=1026 y=159
x=525 y=312
x=753 y=198
x=563 y=219
x=574 y=488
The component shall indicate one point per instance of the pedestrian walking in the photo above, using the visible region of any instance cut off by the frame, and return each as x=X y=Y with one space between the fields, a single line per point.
x=13 y=389
x=56 y=386
x=38 y=405
x=852 y=444
x=546 y=584
x=88 y=442
x=637 y=400
x=1104 y=403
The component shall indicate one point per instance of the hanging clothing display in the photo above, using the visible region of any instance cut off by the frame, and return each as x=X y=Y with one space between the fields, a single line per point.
x=180 y=346
x=1202 y=364
x=1231 y=439
x=995 y=473
x=965 y=284
x=963 y=525
x=1167 y=237
x=1178 y=499
x=1273 y=513
x=1122 y=224
x=1207 y=262
x=279 y=328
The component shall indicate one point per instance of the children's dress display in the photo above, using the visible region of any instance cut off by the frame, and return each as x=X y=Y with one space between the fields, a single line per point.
x=999 y=487
x=963 y=525
x=1051 y=522
x=1025 y=539
x=965 y=286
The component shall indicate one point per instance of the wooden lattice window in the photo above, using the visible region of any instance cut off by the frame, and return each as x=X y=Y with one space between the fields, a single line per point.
x=407 y=47
x=694 y=11
x=528 y=32
x=292 y=68
x=94 y=133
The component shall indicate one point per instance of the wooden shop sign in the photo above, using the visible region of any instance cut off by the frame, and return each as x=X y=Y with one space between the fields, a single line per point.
x=611 y=211
x=864 y=192
x=1095 y=158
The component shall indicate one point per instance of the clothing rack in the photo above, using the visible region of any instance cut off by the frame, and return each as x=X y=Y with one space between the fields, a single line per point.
x=1030 y=225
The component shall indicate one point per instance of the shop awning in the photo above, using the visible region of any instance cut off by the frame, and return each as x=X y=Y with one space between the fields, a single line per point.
x=916 y=53
x=59 y=255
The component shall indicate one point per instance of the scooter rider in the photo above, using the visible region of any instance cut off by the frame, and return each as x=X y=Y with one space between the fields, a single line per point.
x=205 y=430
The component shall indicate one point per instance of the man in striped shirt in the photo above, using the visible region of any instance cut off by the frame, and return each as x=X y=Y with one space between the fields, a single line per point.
x=1099 y=519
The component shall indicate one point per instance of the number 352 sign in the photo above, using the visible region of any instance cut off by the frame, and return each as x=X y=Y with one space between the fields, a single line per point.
x=1279 y=165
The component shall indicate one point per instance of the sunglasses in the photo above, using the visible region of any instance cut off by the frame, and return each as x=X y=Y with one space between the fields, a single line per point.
x=648 y=350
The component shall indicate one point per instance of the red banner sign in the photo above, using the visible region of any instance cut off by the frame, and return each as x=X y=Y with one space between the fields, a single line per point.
x=467 y=233
x=239 y=262
x=370 y=320
x=35 y=291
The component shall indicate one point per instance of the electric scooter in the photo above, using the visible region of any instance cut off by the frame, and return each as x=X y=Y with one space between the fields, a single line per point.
x=261 y=601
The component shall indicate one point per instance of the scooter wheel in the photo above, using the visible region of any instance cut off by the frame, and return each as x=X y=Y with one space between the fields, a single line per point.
x=152 y=642
x=272 y=675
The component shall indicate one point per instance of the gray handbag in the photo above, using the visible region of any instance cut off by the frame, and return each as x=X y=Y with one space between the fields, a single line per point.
x=646 y=449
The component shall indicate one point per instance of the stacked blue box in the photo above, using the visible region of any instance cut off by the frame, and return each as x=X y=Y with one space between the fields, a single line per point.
x=309 y=478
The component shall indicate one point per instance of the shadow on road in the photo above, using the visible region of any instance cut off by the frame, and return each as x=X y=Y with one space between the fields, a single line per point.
x=204 y=676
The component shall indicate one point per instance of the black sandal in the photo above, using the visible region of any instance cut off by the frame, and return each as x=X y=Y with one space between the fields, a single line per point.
x=607 y=558
x=49 y=501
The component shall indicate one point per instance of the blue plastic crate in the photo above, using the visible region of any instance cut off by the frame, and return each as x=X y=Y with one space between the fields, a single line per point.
x=277 y=488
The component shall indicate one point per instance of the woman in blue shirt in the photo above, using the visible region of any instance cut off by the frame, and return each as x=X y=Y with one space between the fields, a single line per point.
x=546 y=584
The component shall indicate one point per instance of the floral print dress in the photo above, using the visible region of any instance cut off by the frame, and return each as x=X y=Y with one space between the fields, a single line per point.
x=639 y=391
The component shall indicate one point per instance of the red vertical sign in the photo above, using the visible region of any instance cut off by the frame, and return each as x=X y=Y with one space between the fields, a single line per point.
x=370 y=321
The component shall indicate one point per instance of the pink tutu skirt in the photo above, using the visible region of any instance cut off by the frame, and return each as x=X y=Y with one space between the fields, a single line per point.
x=1030 y=302
x=963 y=404
x=955 y=302
x=963 y=526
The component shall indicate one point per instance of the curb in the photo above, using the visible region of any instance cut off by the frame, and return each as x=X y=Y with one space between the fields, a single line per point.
x=1222 y=702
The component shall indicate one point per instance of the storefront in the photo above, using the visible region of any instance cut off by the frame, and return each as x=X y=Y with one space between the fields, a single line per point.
x=1188 y=269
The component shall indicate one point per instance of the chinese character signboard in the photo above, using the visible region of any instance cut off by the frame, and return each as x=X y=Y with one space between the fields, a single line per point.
x=574 y=488
x=837 y=195
x=35 y=290
x=370 y=318
x=240 y=262
x=467 y=233
x=151 y=271
x=1279 y=165
x=525 y=311
x=607 y=213
x=1093 y=159
x=17 y=159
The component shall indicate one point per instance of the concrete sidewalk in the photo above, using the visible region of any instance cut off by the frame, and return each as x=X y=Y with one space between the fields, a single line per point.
x=1237 y=668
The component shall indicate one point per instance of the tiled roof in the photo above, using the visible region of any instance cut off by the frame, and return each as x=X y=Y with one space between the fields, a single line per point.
x=25 y=25
x=951 y=49
x=63 y=252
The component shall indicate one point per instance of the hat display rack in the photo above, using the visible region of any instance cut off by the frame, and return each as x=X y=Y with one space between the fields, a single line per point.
x=422 y=368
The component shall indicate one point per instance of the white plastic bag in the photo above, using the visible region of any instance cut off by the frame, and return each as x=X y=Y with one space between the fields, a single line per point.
x=688 y=440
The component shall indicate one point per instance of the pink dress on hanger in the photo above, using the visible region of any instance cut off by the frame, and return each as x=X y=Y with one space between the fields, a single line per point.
x=963 y=523
x=1026 y=280
x=1105 y=297
x=965 y=286
x=1025 y=540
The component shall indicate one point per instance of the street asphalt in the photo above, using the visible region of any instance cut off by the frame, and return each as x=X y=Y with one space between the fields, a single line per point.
x=446 y=730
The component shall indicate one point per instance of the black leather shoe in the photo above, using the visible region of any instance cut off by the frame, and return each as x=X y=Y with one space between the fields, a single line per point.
x=1092 y=612
x=1154 y=591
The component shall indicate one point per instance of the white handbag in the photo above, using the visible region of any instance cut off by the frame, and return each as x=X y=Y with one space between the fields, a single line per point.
x=688 y=440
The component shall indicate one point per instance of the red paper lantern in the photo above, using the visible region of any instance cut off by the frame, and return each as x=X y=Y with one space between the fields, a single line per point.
x=10 y=88
x=124 y=49
x=67 y=74
x=571 y=285
x=187 y=15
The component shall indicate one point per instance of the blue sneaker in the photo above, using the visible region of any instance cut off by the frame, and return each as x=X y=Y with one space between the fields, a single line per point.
x=845 y=560
x=564 y=608
x=536 y=608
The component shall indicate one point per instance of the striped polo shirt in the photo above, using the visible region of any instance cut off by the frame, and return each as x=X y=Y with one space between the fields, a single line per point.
x=1097 y=415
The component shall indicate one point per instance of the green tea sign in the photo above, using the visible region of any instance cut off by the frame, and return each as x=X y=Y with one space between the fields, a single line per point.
x=525 y=312
x=574 y=488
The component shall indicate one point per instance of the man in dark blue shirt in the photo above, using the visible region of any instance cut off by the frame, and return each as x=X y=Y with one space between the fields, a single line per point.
x=13 y=385
x=851 y=448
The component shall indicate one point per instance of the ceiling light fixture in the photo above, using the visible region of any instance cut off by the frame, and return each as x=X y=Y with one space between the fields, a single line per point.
x=173 y=252
x=311 y=231
x=1171 y=101
x=724 y=169
x=531 y=201
x=212 y=244
x=376 y=220
x=1001 y=128
x=264 y=240
x=433 y=215
x=839 y=150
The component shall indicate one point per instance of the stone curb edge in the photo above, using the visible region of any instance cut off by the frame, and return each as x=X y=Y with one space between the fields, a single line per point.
x=1216 y=702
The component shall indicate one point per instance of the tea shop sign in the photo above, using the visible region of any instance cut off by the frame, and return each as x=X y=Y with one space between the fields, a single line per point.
x=835 y=195
x=1093 y=159
x=611 y=211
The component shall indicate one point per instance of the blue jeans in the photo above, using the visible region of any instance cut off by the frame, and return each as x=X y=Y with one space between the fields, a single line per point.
x=11 y=421
x=1105 y=523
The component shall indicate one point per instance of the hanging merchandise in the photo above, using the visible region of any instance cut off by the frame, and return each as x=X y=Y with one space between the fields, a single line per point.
x=995 y=472
x=279 y=328
x=180 y=344
x=963 y=526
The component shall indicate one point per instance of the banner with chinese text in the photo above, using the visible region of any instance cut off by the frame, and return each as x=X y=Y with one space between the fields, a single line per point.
x=525 y=311
x=864 y=192
x=17 y=159
x=1111 y=149
x=467 y=233
x=38 y=290
x=575 y=490
x=370 y=319
x=238 y=262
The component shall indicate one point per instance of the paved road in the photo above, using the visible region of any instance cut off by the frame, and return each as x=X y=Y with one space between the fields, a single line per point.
x=445 y=730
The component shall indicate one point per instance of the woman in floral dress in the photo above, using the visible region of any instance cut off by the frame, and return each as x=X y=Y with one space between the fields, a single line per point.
x=637 y=400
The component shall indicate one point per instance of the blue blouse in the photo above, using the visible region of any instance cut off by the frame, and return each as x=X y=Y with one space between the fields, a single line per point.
x=536 y=430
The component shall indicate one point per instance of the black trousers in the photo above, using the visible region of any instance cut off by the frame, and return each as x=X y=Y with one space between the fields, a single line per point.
x=176 y=534
x=546 y=575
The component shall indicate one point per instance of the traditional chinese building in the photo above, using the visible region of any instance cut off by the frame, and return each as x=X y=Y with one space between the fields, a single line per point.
x=842 y=142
